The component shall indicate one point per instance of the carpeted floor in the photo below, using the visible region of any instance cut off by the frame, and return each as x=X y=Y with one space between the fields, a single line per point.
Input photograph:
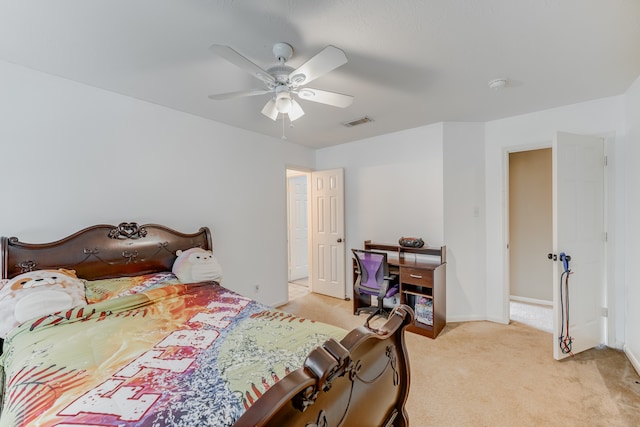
x=489 y=374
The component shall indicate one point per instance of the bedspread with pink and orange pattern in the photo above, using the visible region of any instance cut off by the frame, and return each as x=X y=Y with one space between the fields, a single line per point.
x=181 y=355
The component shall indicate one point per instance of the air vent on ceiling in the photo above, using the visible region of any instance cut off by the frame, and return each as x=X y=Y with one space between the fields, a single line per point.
x=357 y=122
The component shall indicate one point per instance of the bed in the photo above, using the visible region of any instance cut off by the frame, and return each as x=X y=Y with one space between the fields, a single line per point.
x=148 y=349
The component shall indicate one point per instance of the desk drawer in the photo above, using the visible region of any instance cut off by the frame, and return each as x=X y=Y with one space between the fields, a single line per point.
x=416 y=276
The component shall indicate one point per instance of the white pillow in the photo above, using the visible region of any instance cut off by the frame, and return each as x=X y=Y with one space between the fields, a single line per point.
x=38 y=293
x=196 y=265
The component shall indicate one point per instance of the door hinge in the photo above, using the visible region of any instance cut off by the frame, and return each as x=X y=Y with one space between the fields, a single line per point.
x=604 y=311
x=606 y=161
x=605 y=236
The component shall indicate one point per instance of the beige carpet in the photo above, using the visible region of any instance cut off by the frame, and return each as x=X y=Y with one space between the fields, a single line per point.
x=489 y=374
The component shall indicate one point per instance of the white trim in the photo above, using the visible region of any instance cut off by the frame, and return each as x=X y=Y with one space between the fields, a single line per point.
x=634 y=360
x=496 y=320
x=609 y=327
x=472 y=318
x=531 y=301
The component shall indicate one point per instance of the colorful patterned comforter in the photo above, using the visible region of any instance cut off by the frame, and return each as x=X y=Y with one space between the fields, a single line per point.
x=180 y=355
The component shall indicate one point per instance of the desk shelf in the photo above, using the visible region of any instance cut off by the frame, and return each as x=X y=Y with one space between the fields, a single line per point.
x=401 y=250
x=422 y=283
x=418 y=293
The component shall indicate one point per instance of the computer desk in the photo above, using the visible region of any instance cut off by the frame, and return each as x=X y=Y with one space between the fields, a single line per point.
x=422 y=282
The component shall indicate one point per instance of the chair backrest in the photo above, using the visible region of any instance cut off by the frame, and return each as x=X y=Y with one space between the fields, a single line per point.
x=373 y=267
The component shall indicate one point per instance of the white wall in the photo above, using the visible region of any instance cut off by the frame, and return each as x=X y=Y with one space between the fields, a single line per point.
x=603 y=117
x=393 y=187
x=72 y=156
x=632 y=249
x=464 y=220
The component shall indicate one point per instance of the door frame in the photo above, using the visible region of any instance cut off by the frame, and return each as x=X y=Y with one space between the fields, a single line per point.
x=294 y=173
x=506 y=258
x=311 y=264
x=609 y=292
x=307 y=172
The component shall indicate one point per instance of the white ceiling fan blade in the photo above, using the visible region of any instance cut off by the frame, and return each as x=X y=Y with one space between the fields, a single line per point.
x=270 y=110
x=239 y=94
x=325 y=97
x=326 y=60
x=296 y=111
x=240 y=61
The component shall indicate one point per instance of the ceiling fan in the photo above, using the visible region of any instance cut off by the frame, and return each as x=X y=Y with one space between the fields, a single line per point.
x=283 y=81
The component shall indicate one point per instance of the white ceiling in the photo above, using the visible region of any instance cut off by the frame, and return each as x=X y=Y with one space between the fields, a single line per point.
x=411 y=62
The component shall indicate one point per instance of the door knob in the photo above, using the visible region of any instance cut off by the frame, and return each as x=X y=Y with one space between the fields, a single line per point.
x=339 y=240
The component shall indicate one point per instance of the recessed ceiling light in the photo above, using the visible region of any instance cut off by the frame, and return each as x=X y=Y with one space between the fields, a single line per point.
x=497 y=83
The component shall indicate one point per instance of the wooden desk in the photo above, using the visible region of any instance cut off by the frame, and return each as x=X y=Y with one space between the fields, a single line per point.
x=423 y=288
x=422 y=285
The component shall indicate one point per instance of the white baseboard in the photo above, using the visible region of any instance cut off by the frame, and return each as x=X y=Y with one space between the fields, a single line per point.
x=531 y=300
x=454 y=319
x=632 y=358
x=497 y=320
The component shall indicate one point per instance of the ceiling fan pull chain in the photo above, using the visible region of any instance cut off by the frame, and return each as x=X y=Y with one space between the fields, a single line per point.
x=283 y=135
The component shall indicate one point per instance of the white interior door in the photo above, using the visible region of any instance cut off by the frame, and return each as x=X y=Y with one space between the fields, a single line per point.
x=578 y=230
x=298 y=227
x=327 y=236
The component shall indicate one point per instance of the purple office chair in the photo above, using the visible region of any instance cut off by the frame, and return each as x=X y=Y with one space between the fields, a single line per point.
x=373 y=279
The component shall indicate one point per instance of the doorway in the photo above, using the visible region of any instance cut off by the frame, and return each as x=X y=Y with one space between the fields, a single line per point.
x=298 y=232
x=578 y=242
x=315 y=231
x=531 y=237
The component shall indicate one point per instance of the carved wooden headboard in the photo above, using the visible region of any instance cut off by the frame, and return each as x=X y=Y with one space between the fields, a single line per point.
x=103 y=251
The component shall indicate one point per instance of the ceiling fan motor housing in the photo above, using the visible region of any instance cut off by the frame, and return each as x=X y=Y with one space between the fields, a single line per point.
x=281 y=73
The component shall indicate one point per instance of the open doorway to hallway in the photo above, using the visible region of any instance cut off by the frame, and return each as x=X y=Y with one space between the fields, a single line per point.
x=531 y=238
x=298 y=232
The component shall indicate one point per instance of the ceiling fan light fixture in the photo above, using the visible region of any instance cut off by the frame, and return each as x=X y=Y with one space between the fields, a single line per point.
x=296 y=111
x=283 y=102
x=270 y=110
